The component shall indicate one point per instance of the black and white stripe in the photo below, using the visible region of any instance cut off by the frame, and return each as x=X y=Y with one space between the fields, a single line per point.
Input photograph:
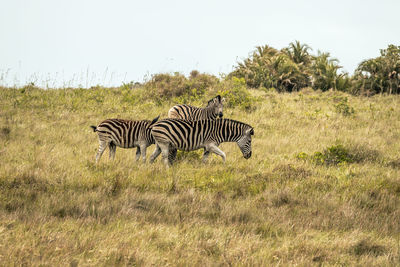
x=213 y=110
x=125 y=134
x=172 y=134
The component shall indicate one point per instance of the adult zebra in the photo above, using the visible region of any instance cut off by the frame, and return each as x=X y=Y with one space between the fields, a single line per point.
x=213 y=110
x=172 y=134
x=125 y=134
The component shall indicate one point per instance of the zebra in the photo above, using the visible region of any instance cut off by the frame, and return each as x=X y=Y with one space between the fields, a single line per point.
x=173 y=134
x=212 y=111
x=125 y=134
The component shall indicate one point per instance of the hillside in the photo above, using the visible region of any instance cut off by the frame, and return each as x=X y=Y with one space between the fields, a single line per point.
x=322 y=185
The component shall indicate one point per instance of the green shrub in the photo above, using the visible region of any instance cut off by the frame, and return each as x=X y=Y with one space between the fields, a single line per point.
x=236 y=94
x=339 y=154
x=344 y=108
x=330 y=156
x=167 y=86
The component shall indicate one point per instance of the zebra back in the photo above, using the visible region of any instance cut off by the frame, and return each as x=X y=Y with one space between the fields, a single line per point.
x=126 y=133
x=191 y=135
x=186 y=112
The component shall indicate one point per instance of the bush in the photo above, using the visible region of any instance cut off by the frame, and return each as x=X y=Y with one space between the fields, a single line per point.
x=166 y=86
x=344 y=108
x=236 y=94
x=339 y=154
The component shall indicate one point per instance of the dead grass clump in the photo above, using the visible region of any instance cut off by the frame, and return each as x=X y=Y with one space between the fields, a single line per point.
x=268 y=230
x=5 y=132
x=115 y=187
x=395 y=164
x=377 y=200
x=241 y=217
x=26 y=180
x=364 y=153
x=282 y=198
x=210 y=248
x=367 y=247
x=290 y=172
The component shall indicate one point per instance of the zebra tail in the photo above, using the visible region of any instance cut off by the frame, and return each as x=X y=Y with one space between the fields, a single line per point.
x=154 y=120
x=94 y=128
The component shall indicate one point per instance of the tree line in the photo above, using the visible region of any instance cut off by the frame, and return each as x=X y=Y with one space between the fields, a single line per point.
x=295 y=67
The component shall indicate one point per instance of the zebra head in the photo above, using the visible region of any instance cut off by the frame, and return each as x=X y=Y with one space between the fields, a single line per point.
x=244 y=143
x=217 y=105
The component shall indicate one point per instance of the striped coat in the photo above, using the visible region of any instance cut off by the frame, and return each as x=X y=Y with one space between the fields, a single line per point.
x=213 y=110
x=124 y=134
x=173 y=134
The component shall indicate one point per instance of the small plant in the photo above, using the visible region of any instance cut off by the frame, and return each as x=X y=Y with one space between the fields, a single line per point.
x=344 y=108
x=334 y=155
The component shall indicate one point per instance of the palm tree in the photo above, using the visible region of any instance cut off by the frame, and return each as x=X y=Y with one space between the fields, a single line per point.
x=324 y=72
x=299 y=53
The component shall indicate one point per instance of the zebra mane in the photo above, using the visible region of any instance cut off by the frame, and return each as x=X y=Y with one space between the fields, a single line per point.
x=238 y=122
x=211 y=101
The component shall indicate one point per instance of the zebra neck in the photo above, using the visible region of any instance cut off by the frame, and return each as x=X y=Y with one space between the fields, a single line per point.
x=227 y=130
x=210 y=112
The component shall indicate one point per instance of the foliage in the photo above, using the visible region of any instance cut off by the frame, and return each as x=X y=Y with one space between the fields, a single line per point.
x=340 y=154
x=325 y=74
x=291 y=69
x=330 y=156
x=268 y=67
x=235 y=92
x=344 y=108
x=165 y=86
x=380 y=74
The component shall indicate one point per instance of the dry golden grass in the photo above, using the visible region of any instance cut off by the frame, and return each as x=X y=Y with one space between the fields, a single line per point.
x=58 y=208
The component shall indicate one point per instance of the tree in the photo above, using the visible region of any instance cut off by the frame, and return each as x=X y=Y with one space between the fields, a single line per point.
x=380 y=74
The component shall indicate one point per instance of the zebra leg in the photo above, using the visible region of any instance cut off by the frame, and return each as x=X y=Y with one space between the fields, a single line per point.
x=102 y=147
x=138 y=153
x=143 y=150
x=112 y=148
x=172 y=154
x=216 y=150
x=205 y=155
x=165 y=153
x=155 y=154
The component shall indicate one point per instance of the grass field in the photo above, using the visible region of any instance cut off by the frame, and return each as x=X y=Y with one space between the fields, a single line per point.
x=286 y=205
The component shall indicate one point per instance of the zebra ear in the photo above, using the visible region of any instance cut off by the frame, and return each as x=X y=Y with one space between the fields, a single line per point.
x=154 y=120
x=223 y=100
x=218 y=97
x=250 y=131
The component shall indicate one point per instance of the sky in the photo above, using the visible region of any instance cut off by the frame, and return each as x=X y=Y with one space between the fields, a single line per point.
x=56 y=43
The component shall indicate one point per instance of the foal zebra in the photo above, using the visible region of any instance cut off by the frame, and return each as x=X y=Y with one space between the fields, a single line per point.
x=185 y=112
x=125 y=134
x=173 y=134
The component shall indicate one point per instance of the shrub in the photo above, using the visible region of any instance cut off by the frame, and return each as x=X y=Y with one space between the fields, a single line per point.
x=339 y=154
x=344 y=108
x=166 y=86
x=236 y=94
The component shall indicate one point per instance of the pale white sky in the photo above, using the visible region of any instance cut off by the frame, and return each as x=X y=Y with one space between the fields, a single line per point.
x=88 y=42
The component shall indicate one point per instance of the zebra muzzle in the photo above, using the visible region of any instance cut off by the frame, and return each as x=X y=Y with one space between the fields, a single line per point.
x=220 y=114
x=247 y=156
